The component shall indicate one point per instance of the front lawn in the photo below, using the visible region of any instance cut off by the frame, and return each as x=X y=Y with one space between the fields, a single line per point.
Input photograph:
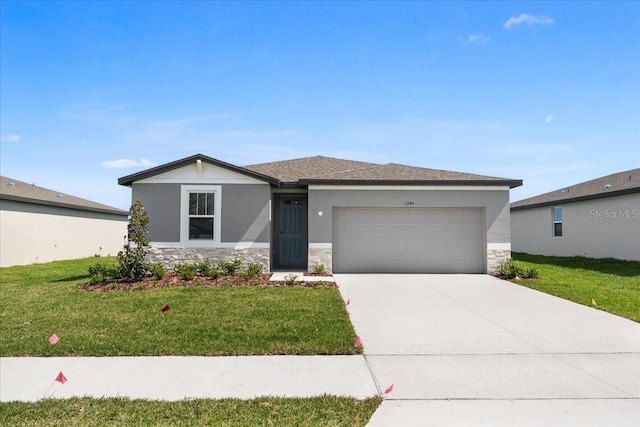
x=613 y=285
x=317 y=411
x=43 y=299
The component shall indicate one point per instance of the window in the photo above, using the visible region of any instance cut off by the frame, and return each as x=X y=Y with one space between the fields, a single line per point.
x=200 y=215
x=557 y=221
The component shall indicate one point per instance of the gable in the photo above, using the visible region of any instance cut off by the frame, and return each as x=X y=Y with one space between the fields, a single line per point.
x=200 y=173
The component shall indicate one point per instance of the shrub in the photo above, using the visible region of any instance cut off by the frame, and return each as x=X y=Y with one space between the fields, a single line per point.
x=132 y=259
x=204 y=267
x=100 y=273
x=511 y=270
x=157 y=270
x=96 y=269
x=229 y=268
x=186 y=271
x=290 y=279
x=97 y=279
x=319 y=269
x=253 y=270
x=529 y=273
x=214 y=273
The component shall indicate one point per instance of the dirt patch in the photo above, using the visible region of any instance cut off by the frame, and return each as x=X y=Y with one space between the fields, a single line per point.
x=171 y=280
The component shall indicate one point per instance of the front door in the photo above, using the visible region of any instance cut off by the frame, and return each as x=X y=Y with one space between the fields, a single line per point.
x=293 y=231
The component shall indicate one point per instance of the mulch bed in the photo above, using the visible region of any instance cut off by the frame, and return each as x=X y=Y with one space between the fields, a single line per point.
x=171 y=280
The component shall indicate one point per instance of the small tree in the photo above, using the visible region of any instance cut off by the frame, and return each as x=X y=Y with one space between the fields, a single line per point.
x=132 y=259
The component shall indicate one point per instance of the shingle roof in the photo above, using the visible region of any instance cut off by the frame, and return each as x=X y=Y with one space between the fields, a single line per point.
x=620 y=183
x=332 y=171
x=392 y=173
x=306 y=167
x=328 y=170
x=12 y=189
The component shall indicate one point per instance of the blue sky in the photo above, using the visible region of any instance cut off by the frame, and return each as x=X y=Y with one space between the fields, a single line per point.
x=92 y=91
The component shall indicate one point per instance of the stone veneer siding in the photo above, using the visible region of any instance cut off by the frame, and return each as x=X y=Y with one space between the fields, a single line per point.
x=169 y=257
x=495 y=257
x=319 y=256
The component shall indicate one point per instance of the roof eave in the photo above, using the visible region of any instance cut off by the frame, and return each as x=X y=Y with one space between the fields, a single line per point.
x=576 y=199
x=128 y=180
x=475 y=183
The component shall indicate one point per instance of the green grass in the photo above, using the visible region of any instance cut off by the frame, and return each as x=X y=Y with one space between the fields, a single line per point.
x=39 y=300
x=318 y=411
x=613 y=284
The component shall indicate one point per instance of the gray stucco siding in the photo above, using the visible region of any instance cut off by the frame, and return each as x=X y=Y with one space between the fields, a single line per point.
x=245 y=213
x=494 y=202
x=162 y=203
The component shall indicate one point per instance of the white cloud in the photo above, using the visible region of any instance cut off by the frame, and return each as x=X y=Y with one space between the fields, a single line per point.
x=127 y=163
x=548 y=118
x=477 y=39
x=11 y=138
x=525 y=18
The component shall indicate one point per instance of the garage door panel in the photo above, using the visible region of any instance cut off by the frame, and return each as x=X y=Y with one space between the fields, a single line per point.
x=454 y=215
x=359 y=231
x=409 y=240
x=379 y=248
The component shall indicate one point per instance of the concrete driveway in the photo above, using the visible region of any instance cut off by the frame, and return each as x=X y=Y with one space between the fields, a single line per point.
x=476 y=350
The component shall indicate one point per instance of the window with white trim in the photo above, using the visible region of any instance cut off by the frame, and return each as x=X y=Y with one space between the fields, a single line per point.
x=200 y=214
x=557 y=221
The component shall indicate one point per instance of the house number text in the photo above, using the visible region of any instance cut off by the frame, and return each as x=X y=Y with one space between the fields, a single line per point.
x=409 y=203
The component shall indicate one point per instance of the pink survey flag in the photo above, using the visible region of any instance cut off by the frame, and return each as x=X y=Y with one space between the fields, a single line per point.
x=175 y=280
x=165 y=308
x=358 y=342
x=61 y=378
x=389 y=389
x=53 y=339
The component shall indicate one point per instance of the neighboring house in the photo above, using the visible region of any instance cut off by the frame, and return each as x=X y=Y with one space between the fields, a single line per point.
x=346 y=215
x=595 y=219
x=41 y=225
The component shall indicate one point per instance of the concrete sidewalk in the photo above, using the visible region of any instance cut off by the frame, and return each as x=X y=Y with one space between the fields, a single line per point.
x=176 y=378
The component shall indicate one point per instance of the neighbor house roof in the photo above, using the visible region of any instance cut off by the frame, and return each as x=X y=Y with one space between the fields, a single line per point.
x=617 y=184
x=331 y=171
x=12 y=189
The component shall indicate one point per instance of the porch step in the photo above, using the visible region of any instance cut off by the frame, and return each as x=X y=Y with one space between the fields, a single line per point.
x=280 y=277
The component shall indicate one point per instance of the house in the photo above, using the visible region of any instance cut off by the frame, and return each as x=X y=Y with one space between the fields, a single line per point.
x=596 y=219
x=41 y=225
x=347 y=215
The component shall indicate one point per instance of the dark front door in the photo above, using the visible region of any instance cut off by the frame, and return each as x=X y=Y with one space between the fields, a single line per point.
x=293 y=231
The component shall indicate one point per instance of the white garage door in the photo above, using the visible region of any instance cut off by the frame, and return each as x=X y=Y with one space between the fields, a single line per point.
x=408 y=240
